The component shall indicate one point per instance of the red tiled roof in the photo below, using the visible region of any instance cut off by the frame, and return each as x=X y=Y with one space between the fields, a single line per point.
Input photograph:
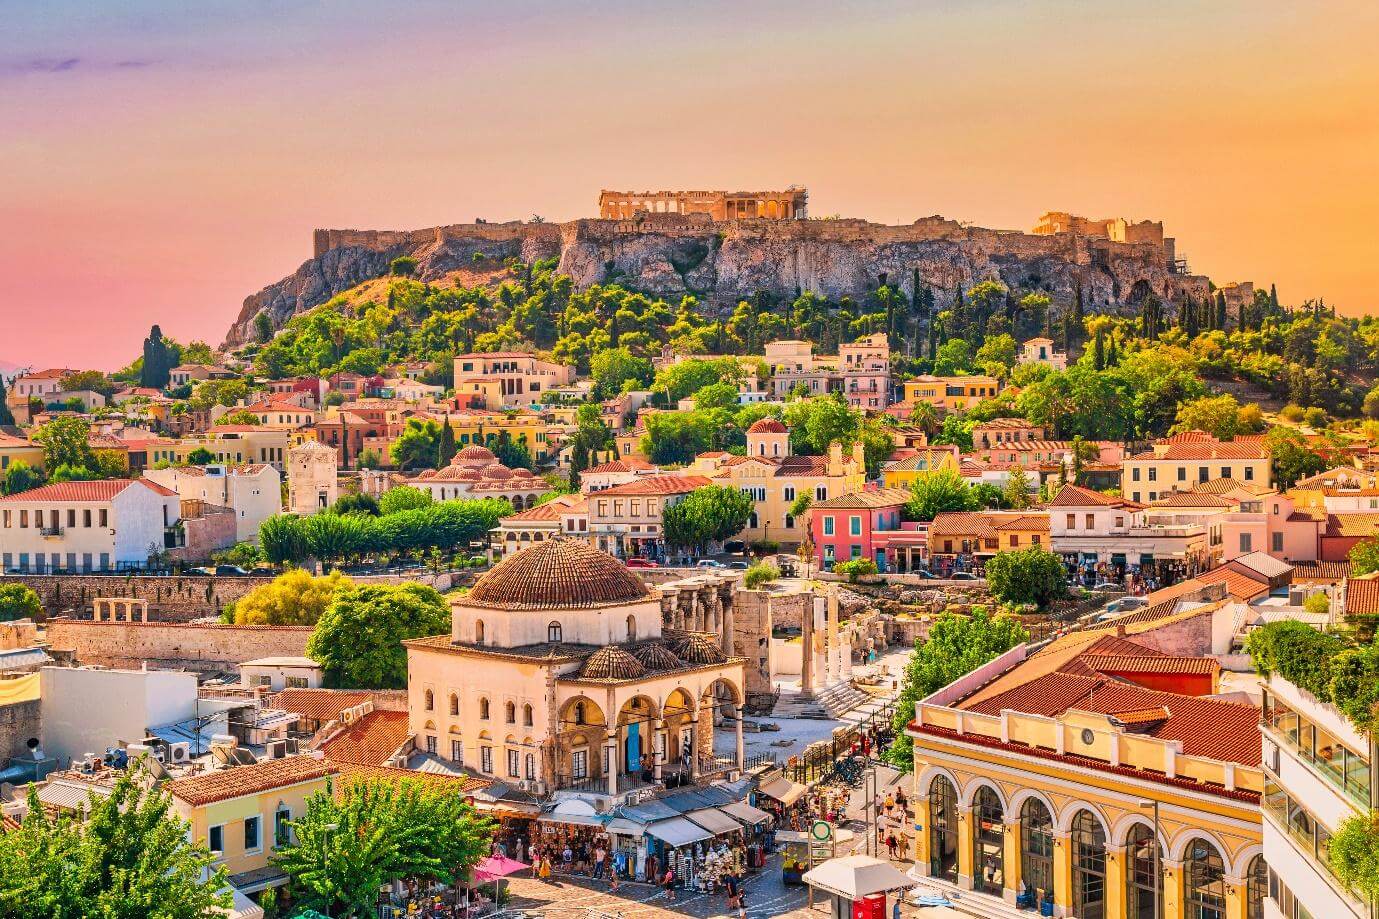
x=767 y=426
x=962 y=523
x=238 y=781
x=630 y=464
x=350 y=773
x=1356 y=525
x=1077 y=496
x=1206 y=727
x=1191 y=499
x=1320 y=571
x=370 y=740
x=1362 y=596
x=317 y=704
x=1238 y=585
x=802 y=466
x=659 y=485
x=1210 y=449
x=97 y=491
x=869 y=498
x=1148 y=663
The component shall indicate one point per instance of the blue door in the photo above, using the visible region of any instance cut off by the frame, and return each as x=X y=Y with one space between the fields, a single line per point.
x=634 y=748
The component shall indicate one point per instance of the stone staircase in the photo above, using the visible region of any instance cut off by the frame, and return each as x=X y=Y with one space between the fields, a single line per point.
x=841 y=698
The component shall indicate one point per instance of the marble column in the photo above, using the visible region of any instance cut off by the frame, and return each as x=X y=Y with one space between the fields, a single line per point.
x=659 y=746
x=738 y=714
x=610 y=746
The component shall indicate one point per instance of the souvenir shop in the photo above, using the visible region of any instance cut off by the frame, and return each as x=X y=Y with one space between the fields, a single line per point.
x=783 y=799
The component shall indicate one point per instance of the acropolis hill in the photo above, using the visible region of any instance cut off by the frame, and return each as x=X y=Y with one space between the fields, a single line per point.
x=726 y=246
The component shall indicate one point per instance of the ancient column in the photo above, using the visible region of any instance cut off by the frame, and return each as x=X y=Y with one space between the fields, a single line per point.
x=729 y=622
x=694 y=742
x=610 y=746
x=807 y=647
x=741 y=747
x=833 y=665
x=659 y=745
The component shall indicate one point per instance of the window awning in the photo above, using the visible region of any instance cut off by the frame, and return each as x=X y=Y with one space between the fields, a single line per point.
x=746 y=813
x=624 y=827
x=783 y=790
x=715 y=821
x=677 y=832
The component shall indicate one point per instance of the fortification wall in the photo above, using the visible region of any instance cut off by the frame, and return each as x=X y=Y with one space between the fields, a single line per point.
x=173 y=599
x=170 y=645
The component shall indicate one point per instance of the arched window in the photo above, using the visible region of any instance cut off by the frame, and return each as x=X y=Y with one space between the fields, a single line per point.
x=1206 y=881
x=554 y=632
x=483 y=709
x=430 y=700
x=510 y=713
x=526 y=715
x=478 y=631
x=1036 y=849
x=988 y=842
x=1089 y=867
x=454 y=704
x=631 y=628
x=579 y=713
x=1143 y=867
x=943 y=830
x=1256 y=886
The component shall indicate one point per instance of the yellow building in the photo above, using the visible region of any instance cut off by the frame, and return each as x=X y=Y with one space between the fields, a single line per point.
x=951 y=393
x=19 y=449
x=524 y=427
x=775 y=479
x=241 y=813
x=232 y=444
x=1180 y=462
x=1048 y=779
x=903 y=473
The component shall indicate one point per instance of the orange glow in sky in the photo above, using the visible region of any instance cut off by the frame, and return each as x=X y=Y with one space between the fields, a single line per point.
x=159 y=165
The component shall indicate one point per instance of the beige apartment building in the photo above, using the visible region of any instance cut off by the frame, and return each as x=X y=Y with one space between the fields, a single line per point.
x=520 y=378
x=253 y=491
x=626 y=520
x=1184 y=460
x=230 y=444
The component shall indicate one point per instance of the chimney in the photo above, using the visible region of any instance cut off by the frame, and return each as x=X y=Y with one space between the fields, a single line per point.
x=1120 y=630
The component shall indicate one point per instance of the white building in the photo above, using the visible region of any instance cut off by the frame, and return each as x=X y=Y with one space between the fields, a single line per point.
x=40 y=384
x=88 y=526
x=279 y=673
x=311 y=478
x=85 y=710
x=253 y=491
x=1040 y=351
x=1316 y=776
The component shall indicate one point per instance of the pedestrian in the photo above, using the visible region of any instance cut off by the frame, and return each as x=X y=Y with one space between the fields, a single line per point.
x=902 y=800
x=600 y=854
x=904 y=841
x=895 y=907
x=668 y=883
x=890 y=843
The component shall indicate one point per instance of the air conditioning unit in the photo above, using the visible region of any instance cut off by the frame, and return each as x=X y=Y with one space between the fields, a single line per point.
x=347 y=716
x=292 y=749
x=277 y=749
x=180 y=752
x=88 y=763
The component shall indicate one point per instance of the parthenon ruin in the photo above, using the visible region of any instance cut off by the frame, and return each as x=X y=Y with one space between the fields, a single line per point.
x=719 y=205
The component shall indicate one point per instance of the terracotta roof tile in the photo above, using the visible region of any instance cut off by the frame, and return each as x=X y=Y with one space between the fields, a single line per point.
x=97 y=491
x=317 y=704
x=1077 y=496
x=1362 y=596
x=557 y=574
x=1148 y=663
x=659 y=485
x=371 y=740
x=1363 y=526
x=868 y=498
x=630 y=464
x=352 y=773
x=237 y=781
x=1321 y=571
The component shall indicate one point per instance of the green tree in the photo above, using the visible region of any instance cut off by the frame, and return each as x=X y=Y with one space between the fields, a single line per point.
x=675 y=438
x=445 y=446
x=1292 y=456
x=158 y=361
x=292 y=598
x=201 y=456
x=759 y=574
x=242 y=416
x=996 y=356
x=6 y=416
x=358 y=640
x=403 y=498
x=368 y=458
x=356 y=503
x=939 y=491
x=1364 y=557
x=613 y=369
x=130 y=858
x=417 y=446
x=956 y=646
x=1017 y=489
x=818 y=423
x=66 y=442
x=856 y=568
x=954 y=357
x=404 y=266
x=21 y=477
x=19 y=602
x=93 y=380
x=1032 y=575
x=708 y=515
x=283 y=540
x=331 y=537
x=263 y=328
x=378 y=831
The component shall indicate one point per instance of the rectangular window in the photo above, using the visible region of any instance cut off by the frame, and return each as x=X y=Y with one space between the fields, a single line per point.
x=282 y=833
x=828 y=526
x=105 y=520
x=296 y=682
x=855 y=525
x=1072 y=521
x=215 y=840
x=252 y=843
x=790 y=492
x=514 y=763
x=1225 y=472
x=456 y=751
x=86 y=517
x=71 y=516
x=1153 y=473
x=579 y=764
x=1203 y=473
x=1276 y=542
x=1249 y=473
x=1135 y=474
x=1034 y=538
x=1091 y=521
x=486 y=760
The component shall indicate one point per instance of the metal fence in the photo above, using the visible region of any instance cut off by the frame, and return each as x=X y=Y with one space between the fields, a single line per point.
x=820 y=760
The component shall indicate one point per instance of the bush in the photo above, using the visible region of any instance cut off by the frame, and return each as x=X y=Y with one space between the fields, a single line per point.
x=856 y=568
x=293 y=598
x=1317 y=604
x=1298 y=653
x=19 y=602
x=765 y=547
x=761 y=573
x=1034 y=575
x=404 y=266
x=1354 y=853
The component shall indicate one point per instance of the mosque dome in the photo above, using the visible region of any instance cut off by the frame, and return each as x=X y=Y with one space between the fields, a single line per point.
x=557 y=574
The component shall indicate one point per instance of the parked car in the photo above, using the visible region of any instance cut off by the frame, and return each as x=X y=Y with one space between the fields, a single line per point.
x=709 y=563
x=925 y=573
x=963 y=576
x=738 y=566
x=1107 y=585
x=641 y=563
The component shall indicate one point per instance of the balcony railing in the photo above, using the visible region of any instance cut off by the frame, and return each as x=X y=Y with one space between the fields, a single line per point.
x=50 y=532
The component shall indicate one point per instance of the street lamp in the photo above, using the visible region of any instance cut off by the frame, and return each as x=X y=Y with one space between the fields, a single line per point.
x=1158 y=867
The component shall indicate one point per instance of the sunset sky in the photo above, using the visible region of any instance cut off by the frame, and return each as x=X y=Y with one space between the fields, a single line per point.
x=159 y=164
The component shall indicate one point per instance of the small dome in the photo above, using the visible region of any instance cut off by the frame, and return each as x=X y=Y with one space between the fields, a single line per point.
x=469 y=475
x=557 y=574
x=496 y=471
x=521 y=473
x=611 y=663
x=696 y=649
x=474 y=454
x=426 y=474
x=767 y=426
x=656 y=656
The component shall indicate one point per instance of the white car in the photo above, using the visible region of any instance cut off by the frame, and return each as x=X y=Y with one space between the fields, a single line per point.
x=709 y=563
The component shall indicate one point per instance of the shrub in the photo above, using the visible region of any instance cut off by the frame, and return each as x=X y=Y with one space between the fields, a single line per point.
x=1317 y=604
x=1298 y=653
x=765 y=547
x=19 y=602
x=856 y=568
x=1033 y=575
x=761 y=573
x=1354 y=853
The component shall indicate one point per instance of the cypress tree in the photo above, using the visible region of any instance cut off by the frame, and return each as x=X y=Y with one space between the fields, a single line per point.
x=445 y=449
x=1068 y=334
x=157 y=361
x=1079 y=314
x=1190 y=324
x=6 y=416
x=1099 y=352
x=1220 y=310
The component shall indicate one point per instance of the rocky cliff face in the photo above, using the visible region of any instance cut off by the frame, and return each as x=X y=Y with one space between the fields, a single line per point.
x=722 y=263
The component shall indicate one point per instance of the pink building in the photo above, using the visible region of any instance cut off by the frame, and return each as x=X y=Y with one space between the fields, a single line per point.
x=866 y=524
x=1275 y=524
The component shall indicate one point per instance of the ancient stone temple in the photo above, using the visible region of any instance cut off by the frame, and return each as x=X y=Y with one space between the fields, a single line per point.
x=789 y=204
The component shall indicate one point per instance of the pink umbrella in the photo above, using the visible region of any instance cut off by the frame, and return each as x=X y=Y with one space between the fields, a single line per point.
x=497 y=866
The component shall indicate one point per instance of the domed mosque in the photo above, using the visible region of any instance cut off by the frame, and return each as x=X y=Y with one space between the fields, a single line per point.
x=558 y=674
x=474 y=472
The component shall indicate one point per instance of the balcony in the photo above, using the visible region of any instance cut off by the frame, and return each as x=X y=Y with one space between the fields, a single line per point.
x=50 y=532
